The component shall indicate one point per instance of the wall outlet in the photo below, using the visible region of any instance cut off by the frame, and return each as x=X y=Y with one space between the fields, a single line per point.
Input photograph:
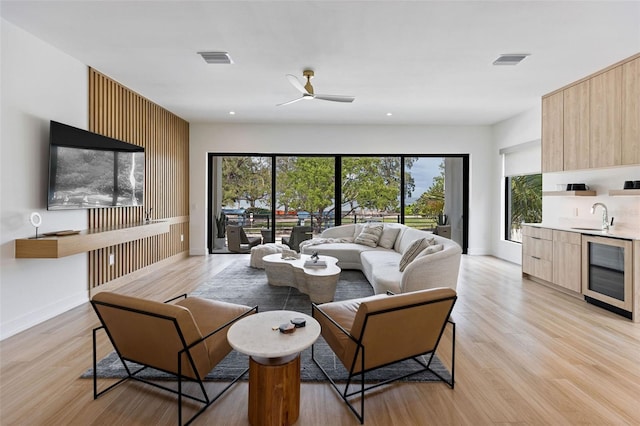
x=181 y=237
x=112 y=259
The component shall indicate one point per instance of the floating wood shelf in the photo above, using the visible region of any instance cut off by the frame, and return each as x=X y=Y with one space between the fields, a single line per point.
x=616 y=192
x=571 y=193
x=87 y=240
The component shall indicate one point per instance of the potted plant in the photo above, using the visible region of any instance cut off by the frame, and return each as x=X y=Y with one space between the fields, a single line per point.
x=221 y=231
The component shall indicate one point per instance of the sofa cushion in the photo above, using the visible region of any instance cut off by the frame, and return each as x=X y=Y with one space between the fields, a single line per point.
x=430 y=250
x=389 y=235
x=370 y=234
x=347 y=253
x=413 y=250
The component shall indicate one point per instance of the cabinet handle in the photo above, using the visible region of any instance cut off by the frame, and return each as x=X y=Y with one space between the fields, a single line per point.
x=536 y=257
x=536 y=238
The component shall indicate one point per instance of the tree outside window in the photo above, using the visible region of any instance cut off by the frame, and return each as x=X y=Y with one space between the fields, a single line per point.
x=523 y=202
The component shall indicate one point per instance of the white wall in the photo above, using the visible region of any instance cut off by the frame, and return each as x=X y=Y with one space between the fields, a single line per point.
x=576 y=211
x=344 y=139
x=38 y=83
x=522 y=128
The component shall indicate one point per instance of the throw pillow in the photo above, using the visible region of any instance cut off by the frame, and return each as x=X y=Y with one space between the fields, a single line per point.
x=370 y=234
x=412 y=251
x=431 y=249
x=388 y=237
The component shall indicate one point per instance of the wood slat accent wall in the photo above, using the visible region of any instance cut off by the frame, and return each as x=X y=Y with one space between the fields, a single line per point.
x=120 y=113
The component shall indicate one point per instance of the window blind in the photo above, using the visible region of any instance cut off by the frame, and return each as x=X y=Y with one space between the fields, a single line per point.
x=522 y=159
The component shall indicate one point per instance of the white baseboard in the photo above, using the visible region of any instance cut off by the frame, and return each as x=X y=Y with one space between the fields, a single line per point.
x=33 y=318
x=197 y=252
x=479 y=251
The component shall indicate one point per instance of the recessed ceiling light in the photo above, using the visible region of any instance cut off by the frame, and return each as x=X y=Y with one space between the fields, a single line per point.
x=216 y=57
x=389 y=114
x=510 y=58
x=232 y=113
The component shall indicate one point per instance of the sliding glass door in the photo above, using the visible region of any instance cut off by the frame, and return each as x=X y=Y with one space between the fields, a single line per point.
x=270 y=194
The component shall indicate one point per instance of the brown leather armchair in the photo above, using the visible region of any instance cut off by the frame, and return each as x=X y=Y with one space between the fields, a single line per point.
x=187 y=339
x=372 y=332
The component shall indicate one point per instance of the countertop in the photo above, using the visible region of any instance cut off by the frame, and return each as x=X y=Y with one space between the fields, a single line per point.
x=626 y=234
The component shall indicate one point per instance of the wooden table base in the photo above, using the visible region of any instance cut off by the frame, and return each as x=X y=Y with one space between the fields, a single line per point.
x=274 y=392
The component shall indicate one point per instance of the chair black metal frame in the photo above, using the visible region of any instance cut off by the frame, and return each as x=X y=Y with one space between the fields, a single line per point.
x=204 y=399
x=345 y=394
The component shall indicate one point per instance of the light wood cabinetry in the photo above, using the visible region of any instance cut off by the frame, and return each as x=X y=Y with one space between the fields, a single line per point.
x=85 y=241
x=631 y=112
x=552 y=133
x=605 y=119
x=594 y=122
x=567 y=267
x=553 y=256
x=576 y=127
x=537 y=252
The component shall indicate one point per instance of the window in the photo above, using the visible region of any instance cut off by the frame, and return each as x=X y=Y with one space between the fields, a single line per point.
x=269 y=194
x=523 y=203
x=522 y=189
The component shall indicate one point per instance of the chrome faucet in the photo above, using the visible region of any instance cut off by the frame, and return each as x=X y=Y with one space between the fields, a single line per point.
x=605 y=215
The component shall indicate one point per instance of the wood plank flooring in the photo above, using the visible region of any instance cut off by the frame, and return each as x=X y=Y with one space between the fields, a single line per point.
x=526 y=354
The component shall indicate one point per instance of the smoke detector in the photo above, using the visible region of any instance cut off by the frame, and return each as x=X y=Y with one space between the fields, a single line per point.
x=510 y=58
x=216 y=57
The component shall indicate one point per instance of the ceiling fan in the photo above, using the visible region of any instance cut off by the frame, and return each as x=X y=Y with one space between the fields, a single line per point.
x=307 y=90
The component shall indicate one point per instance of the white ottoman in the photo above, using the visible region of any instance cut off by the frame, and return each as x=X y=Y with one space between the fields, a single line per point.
x=260 y=251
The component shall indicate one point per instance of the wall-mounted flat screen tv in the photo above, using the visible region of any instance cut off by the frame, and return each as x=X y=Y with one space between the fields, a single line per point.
x=88 y=170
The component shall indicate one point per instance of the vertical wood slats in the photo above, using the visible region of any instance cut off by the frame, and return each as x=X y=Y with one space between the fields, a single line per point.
x=120 y=113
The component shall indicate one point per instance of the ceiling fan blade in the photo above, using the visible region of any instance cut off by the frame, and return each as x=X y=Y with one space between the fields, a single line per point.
x=291 y=102
x=296 y=83
x=335 y=98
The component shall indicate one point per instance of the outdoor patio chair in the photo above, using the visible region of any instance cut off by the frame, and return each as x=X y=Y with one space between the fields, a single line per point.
x=237 y=240
x=298 y=235
x=186 y=339
x=376 y=331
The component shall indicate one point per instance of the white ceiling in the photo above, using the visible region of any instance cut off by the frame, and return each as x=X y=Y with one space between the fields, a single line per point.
x=427 y=62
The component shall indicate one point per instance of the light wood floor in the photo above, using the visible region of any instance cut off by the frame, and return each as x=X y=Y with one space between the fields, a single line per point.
x=526 y=354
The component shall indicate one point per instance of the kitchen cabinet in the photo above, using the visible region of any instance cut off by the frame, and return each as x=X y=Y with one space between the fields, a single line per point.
x=553 y=256
x=605 y=118
x=552 y=132
x=567 y=267
x=594 y=122
x=537 y=252
x=576 y=127
x=631 y=112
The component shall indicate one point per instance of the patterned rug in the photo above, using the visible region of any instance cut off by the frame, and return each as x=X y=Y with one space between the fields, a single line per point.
x=239 y=283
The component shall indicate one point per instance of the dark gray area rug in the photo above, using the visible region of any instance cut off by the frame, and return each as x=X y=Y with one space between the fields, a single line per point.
x=239 y=283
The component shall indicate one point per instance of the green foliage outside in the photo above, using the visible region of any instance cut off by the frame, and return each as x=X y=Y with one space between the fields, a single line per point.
x=526 y=200
x=431 y=202
x=308 y=184
x=246 y=179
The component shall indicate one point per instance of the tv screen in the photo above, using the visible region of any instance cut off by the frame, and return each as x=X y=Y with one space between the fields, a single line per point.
x=88 y=170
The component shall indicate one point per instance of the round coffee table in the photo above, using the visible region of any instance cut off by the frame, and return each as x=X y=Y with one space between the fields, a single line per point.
x=318 y=282
x=274 y=364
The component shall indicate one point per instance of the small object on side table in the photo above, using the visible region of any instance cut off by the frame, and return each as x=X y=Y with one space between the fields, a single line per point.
x=299 y=322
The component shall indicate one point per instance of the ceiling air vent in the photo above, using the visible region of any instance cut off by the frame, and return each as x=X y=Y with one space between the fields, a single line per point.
x=510 y=59
x=216 y=57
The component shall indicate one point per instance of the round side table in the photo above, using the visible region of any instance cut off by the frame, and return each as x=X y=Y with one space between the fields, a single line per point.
x=274 y=365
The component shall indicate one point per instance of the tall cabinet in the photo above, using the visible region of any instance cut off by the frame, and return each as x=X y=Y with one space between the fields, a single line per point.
x=631 y=112
x=594 y=122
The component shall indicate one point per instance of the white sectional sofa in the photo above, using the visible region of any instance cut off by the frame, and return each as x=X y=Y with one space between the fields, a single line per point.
x=431 y=268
